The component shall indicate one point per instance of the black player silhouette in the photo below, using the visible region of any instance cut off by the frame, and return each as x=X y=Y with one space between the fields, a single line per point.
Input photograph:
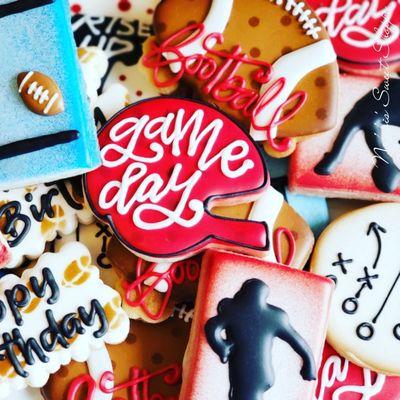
x=364 y=117
x=243 y=333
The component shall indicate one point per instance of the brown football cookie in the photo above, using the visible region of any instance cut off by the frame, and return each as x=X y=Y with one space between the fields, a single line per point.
x=149 y=349
x=286 y=34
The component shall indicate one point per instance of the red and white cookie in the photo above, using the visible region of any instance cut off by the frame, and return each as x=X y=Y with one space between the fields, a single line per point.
x=339 y=379
x=365 y=33
x=242 y=306
x=360 y=158
x=166 y=163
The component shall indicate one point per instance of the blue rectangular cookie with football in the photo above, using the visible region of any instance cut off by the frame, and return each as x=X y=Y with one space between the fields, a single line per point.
x=46 y=129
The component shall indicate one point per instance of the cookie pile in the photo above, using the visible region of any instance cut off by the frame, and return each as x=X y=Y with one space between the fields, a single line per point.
x=199 y=200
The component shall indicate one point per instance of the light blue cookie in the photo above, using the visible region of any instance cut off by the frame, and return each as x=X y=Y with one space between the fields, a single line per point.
x=35 y=35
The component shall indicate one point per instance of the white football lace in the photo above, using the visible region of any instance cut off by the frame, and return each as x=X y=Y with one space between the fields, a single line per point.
x=303 y=16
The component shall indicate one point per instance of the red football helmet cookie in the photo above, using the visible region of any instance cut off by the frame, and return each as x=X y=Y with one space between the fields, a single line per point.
x=166 y=162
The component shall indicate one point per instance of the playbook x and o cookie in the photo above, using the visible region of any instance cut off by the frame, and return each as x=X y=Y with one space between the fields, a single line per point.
x=255 y=60
x=359 y=251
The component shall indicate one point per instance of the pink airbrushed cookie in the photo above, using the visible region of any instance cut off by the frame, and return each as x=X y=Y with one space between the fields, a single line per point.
x=360 y=158
x=243 y=305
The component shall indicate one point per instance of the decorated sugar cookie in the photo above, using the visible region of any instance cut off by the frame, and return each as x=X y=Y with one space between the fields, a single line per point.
x=96 y=237
x=339 y=379
x=147 y=365
x=268 y=64
x=360 y=158
x=365 y=34
x=30 y=217
x=150 y=291
x=57 y=311
x=47 y=132
x=359 y=251
x=94 y=65
x=121 y=42
x=166 y=163
x=258 y=331
x=127 y=9
x=290 y=236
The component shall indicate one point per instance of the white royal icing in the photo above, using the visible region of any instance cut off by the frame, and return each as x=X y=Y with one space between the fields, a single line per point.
x=99 y=362
x=360 y=250
x=353 y=16
x=79 y=284
x=305 y=60
x=96 y=238
x=153 y=187
x=94 y=65
x=266 y=209
x=160 y=268
x=302 y=13
x=215 y=22
x=333 y=371
x=38 y=232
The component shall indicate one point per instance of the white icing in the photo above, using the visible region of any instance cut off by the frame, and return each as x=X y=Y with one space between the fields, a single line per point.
x=348 y=19
x=333 y=371
x=300 y=10
x=76 y=290
x=266 y=209
x=376 y=314
x=63 y=223
x=293 y=67
x=153 y=188
x=112 y=100
x=96 y=238
x=99 y=362
x=94 y=65
x=183 y=312
x=40 y=94
x=26 y=394
x=215 y=22
x=160 y=268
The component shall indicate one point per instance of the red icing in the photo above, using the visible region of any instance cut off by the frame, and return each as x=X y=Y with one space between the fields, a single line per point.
x=169 y=216
x=138 y=384
x=340 y=374
x=355 y=27
x=5 y=253
x=278 y=246
x=221 y=82
x=176 y=275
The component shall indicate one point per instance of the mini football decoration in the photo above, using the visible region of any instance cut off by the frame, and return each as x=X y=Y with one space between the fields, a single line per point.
x=40 y=93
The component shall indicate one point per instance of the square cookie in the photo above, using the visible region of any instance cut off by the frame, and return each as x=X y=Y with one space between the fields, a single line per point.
x=360 y=158
x=243 y=305
x=47 y=131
